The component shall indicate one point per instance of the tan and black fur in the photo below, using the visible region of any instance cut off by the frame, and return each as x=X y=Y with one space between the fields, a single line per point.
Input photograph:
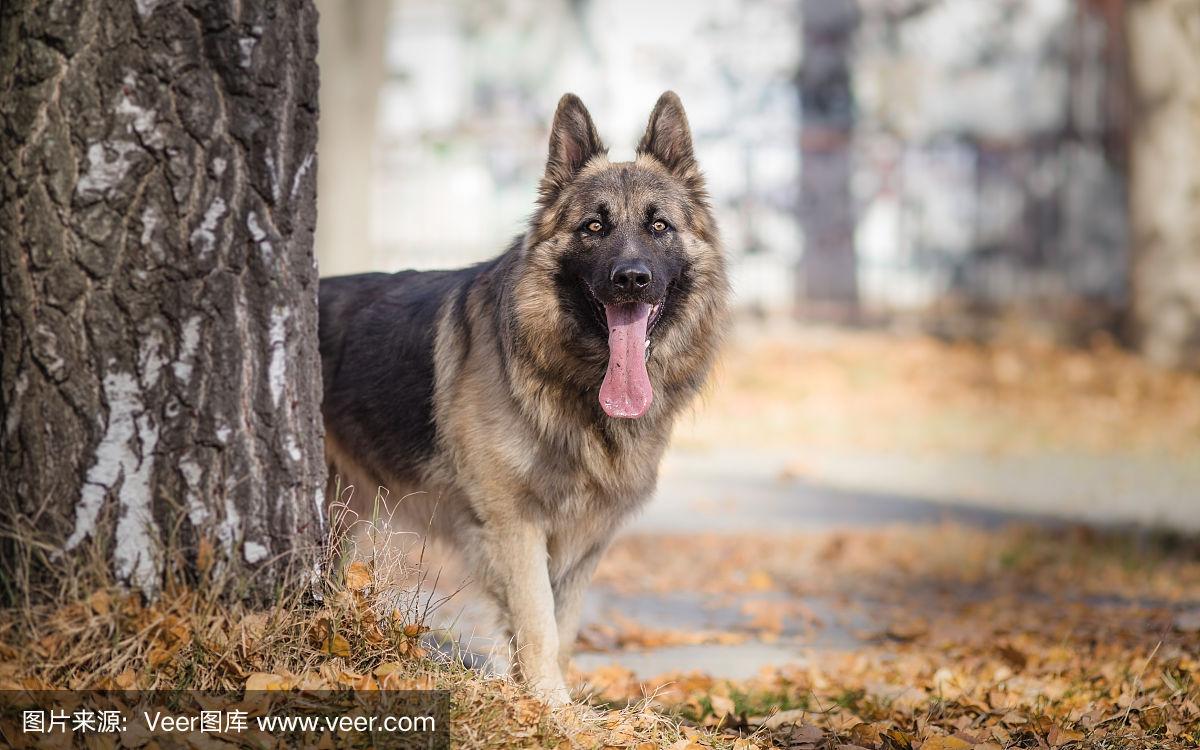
x=477 y=388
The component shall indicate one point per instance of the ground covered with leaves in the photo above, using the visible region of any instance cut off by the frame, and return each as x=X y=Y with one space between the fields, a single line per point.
x=966 y=637
x=905 y=636
x=366 y=636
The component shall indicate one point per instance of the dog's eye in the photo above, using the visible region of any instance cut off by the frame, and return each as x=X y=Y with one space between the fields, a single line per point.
x=594 y=227
x=660 y=226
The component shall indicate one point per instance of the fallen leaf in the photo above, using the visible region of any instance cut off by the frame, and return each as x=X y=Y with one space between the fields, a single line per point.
x=945 y=743
x=1058 y=736
x=267 y=681
x=100 y=602
x=721 y=705
x=780 y=718
x=358 y=576
x=1013 y=656
x=337 y=645
x=894 y=739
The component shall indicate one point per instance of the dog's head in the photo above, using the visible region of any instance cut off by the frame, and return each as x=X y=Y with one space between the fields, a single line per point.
x=623 y=282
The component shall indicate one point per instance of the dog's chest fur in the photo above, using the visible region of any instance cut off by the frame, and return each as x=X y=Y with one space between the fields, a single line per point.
x=421 y=397
x=501 y=424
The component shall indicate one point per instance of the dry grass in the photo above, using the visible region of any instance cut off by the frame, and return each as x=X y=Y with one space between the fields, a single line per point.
x=361 y=629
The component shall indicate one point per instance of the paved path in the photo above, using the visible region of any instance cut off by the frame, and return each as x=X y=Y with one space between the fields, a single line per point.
x=739 y=492
x=746 y=491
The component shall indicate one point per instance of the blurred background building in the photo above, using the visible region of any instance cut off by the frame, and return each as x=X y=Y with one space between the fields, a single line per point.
x=955 y=162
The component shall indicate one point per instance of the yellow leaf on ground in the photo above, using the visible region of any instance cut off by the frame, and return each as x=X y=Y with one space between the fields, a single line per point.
x=158 y=656
x=337 y=645
x=1059 y=736
x=945 y=743
x=267 y=681
x=387 y=668
x=721 y=705
x=358 y=576
x=412 y=630
x=100 y=602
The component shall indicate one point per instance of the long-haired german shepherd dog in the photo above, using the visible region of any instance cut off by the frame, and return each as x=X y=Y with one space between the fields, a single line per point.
x=526 y=401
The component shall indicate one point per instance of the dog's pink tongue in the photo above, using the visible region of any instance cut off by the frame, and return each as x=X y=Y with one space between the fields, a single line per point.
x=626 y=390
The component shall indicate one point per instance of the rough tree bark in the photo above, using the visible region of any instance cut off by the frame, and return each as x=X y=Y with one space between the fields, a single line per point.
x=830 y=267
x=160 y=375
x=1164 y=46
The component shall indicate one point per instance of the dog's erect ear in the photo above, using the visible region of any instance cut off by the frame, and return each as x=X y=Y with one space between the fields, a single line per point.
x=573 y=141
x=668 y=137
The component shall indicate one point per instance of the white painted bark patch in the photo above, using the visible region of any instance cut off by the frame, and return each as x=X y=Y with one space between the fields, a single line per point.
x=198 y=513
x=108 y=163
x=151 y=219
x=319 y=504
x=230 y=527
x=136 y=553
x=254 y=552
x=246 y=46
x=142 y=121
x=204 y=237
x=14 y=412
x=124 y=463
x=47 y=349
x=293 y=448
x=112 y=454
x=259 y=235
x=275 y=176
x=304 y=167
x=135 y=556
x=189 y=339
x=277 y=342
x=146 y=7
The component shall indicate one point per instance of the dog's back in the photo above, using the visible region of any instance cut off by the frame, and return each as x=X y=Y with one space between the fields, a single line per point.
x=377 y=337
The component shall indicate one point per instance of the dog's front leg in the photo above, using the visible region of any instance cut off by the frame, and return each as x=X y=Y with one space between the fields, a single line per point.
x=568 y=601
x=520 y=581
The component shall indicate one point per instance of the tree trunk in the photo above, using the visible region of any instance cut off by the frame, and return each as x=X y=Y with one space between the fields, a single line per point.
x=829 y=269
x=1164 y=45
x=352 y=70
x=160 y=375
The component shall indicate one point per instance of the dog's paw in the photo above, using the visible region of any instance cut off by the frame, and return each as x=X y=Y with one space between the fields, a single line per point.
x=556 y=697
x=552 y=691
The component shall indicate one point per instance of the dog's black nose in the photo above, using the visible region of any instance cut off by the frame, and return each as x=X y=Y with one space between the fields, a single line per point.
x=631 y=276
